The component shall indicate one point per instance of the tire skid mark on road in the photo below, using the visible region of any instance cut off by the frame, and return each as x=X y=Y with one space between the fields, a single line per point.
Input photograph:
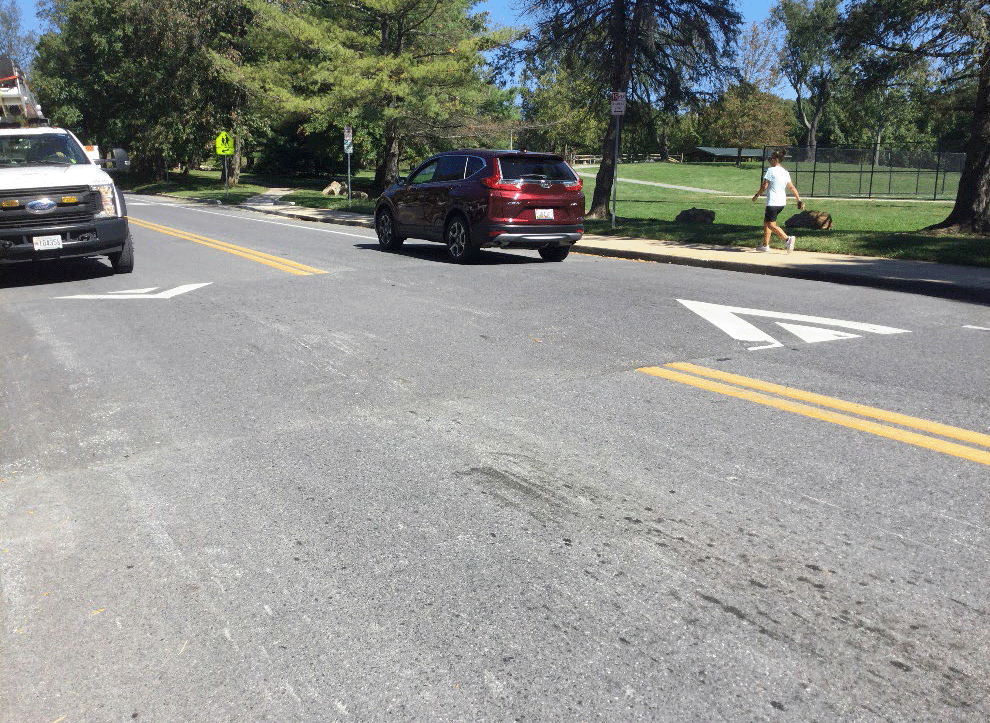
x=260 y=257
x=734 y=385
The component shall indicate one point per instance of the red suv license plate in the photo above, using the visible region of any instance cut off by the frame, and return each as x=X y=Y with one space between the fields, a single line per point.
x=543 y=214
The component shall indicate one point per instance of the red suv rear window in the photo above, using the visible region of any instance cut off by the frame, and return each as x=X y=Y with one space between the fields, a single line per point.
x=537 y=169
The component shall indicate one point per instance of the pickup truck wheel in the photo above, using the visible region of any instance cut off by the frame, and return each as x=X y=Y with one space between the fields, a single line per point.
x=385 y=228
x=458 y=238
x=123 y=261
x=554 y=253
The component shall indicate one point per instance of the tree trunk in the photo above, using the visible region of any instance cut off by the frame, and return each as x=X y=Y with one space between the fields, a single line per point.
x=972 y=208
x=624 y=38
x=387 y=171
x=606 y=173
x=235 y=160
x=813 y=132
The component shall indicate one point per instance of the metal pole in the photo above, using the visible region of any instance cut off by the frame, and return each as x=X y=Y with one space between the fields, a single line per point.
x=615 y=175
x=348 y=179
x=938 y=166
x=226 y=177
x=873 y=168
x=814 y=170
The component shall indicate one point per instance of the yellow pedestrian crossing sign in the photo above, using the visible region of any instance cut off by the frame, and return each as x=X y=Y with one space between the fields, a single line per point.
x=225 y=144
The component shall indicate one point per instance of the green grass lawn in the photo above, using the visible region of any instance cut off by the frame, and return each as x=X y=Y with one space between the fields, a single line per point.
x=208 y=185
x=882 y=228
x=845 y=179
x=723 y=177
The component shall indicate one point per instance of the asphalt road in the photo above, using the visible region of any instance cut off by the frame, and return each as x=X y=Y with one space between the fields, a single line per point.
x=330 y=483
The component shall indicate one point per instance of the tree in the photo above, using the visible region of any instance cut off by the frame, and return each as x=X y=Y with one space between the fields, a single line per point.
x=894 y=111
x=956 y=35
x=812 y=61
x=412 y=70
x=141 y=73
x=14 y=42
x=759 y=56
x=746 y=117
x=659 y=49
x=562 y=108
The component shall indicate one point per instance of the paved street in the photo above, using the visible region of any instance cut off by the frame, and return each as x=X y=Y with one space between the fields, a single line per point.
x=277 y=474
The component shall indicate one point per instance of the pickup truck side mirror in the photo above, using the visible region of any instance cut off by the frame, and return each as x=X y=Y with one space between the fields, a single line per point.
x=118 y=160
x=121 y=162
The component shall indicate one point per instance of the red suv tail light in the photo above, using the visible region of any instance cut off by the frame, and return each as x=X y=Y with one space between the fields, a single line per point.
x=574 y=185
x=495 y=181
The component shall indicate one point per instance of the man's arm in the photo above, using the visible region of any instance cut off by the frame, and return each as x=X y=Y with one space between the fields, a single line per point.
x=795 y=193
x=763 y=187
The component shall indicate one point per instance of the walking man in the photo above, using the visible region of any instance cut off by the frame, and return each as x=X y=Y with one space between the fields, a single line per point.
x=776 y=183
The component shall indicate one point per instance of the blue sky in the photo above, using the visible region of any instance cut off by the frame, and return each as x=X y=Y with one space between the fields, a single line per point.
x=503 y=12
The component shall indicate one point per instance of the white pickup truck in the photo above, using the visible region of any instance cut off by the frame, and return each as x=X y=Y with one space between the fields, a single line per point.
x=56 y=202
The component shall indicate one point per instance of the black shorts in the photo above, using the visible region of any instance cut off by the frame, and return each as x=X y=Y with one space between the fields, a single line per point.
x=771 y=213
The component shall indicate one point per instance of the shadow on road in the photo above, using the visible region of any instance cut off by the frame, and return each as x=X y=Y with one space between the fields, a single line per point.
x=436 y=252
x=42 y=273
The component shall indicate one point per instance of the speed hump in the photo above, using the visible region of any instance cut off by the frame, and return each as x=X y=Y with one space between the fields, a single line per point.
x=225 y=144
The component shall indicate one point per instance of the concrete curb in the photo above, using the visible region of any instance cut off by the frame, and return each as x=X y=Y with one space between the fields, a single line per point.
x=343 y=218
x=926 y=287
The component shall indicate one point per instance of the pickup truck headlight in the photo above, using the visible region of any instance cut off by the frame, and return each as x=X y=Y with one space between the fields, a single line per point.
x=108 y=197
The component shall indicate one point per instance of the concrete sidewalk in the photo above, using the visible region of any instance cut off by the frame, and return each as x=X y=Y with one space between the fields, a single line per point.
x=965 y=283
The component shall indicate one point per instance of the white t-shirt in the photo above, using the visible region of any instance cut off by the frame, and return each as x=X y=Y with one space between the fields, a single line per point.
x=777 y=190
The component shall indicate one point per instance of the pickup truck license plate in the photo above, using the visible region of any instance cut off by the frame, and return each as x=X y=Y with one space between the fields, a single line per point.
x=42 y=243
x=544 y=213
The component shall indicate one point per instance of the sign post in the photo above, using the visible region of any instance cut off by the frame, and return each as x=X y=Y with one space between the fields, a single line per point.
x=225 y=148
x=618 y=110
x=348 y=149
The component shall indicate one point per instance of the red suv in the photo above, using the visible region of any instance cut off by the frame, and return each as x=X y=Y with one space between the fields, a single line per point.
x=473 y=199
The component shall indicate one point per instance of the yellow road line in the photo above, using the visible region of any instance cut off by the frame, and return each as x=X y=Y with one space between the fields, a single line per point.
x=260 y=257
x=863 y=425
x=943 y=430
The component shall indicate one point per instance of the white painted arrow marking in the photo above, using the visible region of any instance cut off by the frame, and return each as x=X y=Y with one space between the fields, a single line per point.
x=140 y=293
x=727 y=319
x=812 y=334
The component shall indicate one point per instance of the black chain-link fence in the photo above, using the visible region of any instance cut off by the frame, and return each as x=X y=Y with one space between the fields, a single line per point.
x=904 y=172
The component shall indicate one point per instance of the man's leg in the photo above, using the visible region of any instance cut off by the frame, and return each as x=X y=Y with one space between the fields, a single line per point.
x=774 y=228
x=767 y=231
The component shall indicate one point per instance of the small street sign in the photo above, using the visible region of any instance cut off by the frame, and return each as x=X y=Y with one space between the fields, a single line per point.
x=348 y=140
x=225 y=144
x=618 y=103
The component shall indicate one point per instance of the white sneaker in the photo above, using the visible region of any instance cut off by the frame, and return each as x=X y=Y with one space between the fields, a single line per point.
x=790 y=243
x=763 y=249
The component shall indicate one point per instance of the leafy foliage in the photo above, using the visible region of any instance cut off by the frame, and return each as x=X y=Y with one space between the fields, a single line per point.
x=661 y=52
x=955 y=35
x=746 y=117
x=142 y=73
x=15 y=42
x=409 y=72
x=812 y=60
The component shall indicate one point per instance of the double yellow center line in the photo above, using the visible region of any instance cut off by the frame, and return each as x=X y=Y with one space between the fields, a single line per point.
x=741 y=387
x=276 y=262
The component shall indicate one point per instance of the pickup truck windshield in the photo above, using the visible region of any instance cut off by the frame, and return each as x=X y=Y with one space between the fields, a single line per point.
x=48 y=149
